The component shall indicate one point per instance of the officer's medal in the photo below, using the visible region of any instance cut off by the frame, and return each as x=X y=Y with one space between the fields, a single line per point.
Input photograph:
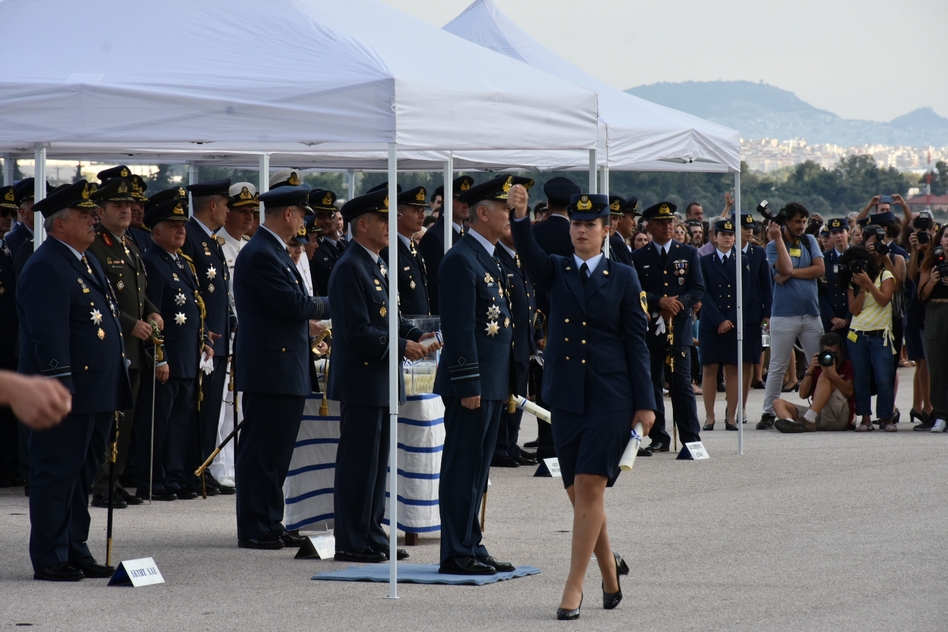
x=493 y=312
x=492 y=328
x=180 y=318
x=180 y=298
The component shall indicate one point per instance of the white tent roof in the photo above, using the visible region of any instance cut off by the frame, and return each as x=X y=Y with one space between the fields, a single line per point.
x=187 y=79
x=638 y=134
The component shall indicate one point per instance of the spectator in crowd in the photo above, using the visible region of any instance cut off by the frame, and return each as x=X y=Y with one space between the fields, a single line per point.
x=679 y=233
x=797 y=262
x=639 y=239
x=855 y=235
x=933 y=287
x=920 y=242
x=869 y=343
x=830 y=383
x=696 y=232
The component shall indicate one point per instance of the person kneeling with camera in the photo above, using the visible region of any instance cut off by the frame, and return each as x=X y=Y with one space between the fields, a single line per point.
x=829 y=381
x=870 y=343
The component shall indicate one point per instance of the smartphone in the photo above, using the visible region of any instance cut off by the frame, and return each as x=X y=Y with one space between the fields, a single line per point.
x=885 y=199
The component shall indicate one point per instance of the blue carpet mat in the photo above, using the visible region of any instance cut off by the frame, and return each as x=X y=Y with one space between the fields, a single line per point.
x=419 y=574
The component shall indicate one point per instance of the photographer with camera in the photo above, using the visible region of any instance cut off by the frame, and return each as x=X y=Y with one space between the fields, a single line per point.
x=918 y=236
x=795 y=311
x=870 y=286
x=933 y=287
x=829 y=382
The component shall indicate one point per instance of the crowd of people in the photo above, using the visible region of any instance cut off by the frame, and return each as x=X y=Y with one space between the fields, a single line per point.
x=151 y=310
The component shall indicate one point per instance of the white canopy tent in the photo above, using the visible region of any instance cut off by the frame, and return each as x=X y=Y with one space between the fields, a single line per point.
x=181 y=78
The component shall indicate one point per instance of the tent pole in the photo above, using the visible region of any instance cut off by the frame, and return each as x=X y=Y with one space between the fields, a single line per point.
x=592 y=171
x=604 y=181
x=192 y=179
x=9 y=166
x=447 y=203
x=739 y=415
x=264 y=182
x=352 y=192
x=39 y=190
x=394 y=373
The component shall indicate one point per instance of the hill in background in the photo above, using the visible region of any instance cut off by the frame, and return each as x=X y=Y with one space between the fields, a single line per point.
x=759 y=110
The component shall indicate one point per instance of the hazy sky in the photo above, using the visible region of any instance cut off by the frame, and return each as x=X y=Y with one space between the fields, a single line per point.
x=868 y=59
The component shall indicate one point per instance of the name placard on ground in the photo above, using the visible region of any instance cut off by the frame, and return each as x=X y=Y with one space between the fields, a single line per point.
x=321 y=547
x=141 y=572
x=553 y=465
x=697 y=450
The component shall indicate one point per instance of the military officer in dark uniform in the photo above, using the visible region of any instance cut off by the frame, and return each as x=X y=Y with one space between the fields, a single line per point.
x=432 y=244
x=173 y=288
x=70 y=331
x=618 y=248
x=273 y=358
x=527 y=331
x=24 y=194
x=121 y=260
x=329 y=246
x=473 y=375
x=135 y=232
x=412 y=275
x=358 y=292
x=834 y=305
x=671 y=277
x=209 y=203
x=9 y=452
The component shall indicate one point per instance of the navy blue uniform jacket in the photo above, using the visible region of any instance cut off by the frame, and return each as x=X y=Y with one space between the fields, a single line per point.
x=359 y=364
x=322 y=263
x=70 y=330
x=720 y=298
x=412 y=281
x=273 y=351
x=618 y=251
x=759 y=289
x=476 y=324
x=171 y=288
x=680 y=276
x=212 y=275
x=431 y=247
x=595 y=359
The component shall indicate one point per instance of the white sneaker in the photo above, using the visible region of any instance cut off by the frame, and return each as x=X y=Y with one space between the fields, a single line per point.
x=939 y=426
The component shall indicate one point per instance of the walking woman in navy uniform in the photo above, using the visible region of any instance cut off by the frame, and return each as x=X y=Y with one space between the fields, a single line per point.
x=596 y=377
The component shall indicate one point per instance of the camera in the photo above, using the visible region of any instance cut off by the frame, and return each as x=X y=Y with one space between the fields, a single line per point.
x=847 y=270
x=923 y=236
x=922 y=221
x=827 y=358
x=940 y=262
x=880 y=246
x=779 y=218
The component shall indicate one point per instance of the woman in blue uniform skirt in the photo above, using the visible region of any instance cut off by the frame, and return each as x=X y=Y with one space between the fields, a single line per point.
x=596 y=377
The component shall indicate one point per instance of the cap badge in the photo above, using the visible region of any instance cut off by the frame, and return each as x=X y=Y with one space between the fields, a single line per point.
x=178 y=209
x=87 y=191
x=421 y=195
x=302 y=231
x=124 y=172
x=123 y=188
x=508 y=183
x=385 y=204
x=584 y=204
x=465 y=185
x=664 y=210
x=9 y=196
x=294 y=179
x=728 y=225
x=614 y=206
x=245 y=194
x=327 y=199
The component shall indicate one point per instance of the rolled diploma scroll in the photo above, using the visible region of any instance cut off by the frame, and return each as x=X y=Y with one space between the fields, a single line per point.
x=631 y=450
x=326 y=324
x=526 y=405
x=427 y=342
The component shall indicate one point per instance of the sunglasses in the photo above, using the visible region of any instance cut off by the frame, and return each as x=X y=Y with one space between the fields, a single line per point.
x=5 y=212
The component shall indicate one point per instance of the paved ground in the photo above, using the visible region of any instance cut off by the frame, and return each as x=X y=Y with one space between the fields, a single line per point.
x=819 y=531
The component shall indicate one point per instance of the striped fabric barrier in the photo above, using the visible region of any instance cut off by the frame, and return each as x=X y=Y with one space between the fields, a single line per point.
x=308 y=490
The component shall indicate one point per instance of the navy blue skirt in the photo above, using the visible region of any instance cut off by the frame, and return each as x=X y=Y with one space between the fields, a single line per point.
x=716 y=348
x=590 y=444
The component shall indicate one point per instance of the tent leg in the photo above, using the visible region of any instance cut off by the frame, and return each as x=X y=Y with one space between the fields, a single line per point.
x=192 y=179
x=9 y=167
x=740 y=318
x=592 y=171
x=394 y=368
x=604 y=182
x=264 y=182
x=39 y=190
x=447 y=203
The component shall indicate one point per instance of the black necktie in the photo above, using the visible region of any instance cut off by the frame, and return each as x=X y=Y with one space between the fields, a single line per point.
x=724 y=261
x=664 y=255
x=584 y=272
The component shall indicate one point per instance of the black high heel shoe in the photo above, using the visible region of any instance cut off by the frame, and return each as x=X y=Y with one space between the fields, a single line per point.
x=569 y=615
x=922 y=417
x=611 y=600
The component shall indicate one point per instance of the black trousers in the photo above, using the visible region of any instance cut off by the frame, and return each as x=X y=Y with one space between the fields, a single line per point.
x=509 y=432
x=469 y=441
x=175 y=432
x=684 y=406
x=359 y=487
x=126 y=422
x=63 y=462
x=267 y=440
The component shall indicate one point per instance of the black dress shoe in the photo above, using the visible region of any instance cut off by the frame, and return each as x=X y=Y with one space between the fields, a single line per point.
x=563 y=614
x=503 y=461
x=532 y=444
x=128 y=498
x=292 y=541
x=527 y=454
x=186 y=493
x=500 y=567
x=161 y=494
x=465 y=566
x=363 y=557
x=645 y=451
x=400 y=554
x=64 y=572
x=658 y=446
x=266 y=541
x=524 y=460
x=220 y=487
x=90 y=568
x=102 y=500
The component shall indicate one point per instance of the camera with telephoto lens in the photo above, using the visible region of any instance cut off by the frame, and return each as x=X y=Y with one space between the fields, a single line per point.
x=941 y=264
x=847 y=270
x=827 y=358
x=880 y=246
x=779 y=218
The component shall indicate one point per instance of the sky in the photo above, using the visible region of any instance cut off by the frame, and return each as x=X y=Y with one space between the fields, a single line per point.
x=868 y=59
